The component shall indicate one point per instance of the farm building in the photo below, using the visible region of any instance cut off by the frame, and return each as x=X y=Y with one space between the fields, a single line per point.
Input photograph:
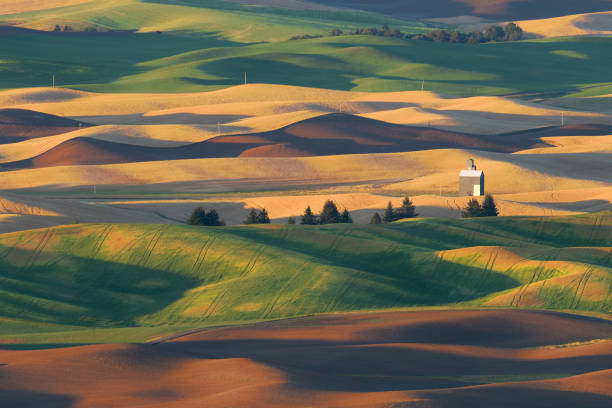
x=471 y=181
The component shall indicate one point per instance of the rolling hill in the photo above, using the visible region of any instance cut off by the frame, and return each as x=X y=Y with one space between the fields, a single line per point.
x=150 y=62
x=17 y=125
x=492 y=9
x=152 y=275
x=332 y=134
x=497 y=358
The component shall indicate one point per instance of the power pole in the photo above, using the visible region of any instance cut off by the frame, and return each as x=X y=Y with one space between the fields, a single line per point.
x=562 y=119
x=423 y=85
x=245 y=78
x=53 y=81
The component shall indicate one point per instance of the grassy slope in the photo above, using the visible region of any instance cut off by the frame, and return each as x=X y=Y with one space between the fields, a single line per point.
x=149 y=62
x=199 y=18
x=211 y=46
x=110 y=276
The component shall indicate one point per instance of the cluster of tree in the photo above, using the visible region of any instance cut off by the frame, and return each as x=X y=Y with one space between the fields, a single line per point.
x=329 y=215
x=200 y=217
x=66 y=28
x=511 y=32
x=474 y=209
x=255 y=217
x=305 y=37
x=406 y=210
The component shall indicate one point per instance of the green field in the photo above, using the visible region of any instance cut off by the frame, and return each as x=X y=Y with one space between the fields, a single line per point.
x=212 y=45
x=131 y=282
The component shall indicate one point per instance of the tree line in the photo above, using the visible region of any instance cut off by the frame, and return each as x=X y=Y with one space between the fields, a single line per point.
x=331 y=215
x=496 y=33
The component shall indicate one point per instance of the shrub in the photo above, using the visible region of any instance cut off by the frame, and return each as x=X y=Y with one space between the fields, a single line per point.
x=291 y=221
x=376 y=219
x=335 y=32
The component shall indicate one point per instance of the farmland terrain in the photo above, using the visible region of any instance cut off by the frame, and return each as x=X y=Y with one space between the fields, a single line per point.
x=118 y=118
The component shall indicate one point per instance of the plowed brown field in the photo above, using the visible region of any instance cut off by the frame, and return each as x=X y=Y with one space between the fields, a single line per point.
x=400 y=359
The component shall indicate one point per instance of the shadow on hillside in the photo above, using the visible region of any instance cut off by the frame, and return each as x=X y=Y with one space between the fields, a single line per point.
x=58 y=288
x=167 y=119
x=303 y=70
x=32 y=399
x=92 y=58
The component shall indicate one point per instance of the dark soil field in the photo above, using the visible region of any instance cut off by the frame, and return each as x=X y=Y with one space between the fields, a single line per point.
x=400 y=359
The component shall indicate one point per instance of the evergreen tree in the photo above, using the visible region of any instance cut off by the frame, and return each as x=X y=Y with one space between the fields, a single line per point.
x=262 y=217
x=212 y=219
x=291 y=221
x=329 y=213
x=389 y=215
x=376 y=219
x=197 y=217
x=407 y=210
x=57 y=28
x=345 y=217
x=308 y=218
x=473 y=209
x=489 y=209
x=252 y=217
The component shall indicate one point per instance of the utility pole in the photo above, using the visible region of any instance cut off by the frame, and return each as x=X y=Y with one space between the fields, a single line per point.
x=423 y=85
x=53 y=81
x=245 y=79
x=562 y=119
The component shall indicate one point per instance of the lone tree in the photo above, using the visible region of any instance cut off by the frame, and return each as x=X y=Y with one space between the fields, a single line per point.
x=407 y=210
x=308 y=218
x=329 y=213
x=376 y=219
x=489 y=209
x=473 y=209
x=345 y=217
x=389 y=214
x=200 y=217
